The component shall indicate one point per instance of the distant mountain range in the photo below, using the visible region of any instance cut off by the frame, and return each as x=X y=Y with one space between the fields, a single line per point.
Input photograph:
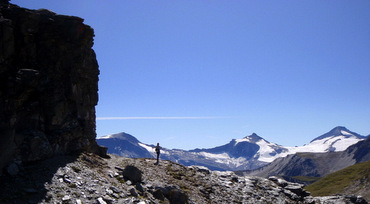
x=304 y=167
x=248 y=153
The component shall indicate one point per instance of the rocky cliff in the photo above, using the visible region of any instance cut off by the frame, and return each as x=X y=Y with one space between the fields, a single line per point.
x=48 y=85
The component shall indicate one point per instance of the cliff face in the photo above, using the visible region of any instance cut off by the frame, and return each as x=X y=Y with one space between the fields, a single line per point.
x=48 y=85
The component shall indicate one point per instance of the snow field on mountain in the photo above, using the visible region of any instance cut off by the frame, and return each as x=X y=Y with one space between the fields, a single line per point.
x=224 y=158
x=265 y=153
x=152 y=149
x=334 y=143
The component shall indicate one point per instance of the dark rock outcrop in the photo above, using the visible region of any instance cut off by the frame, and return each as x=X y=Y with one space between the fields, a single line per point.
x=48 y=85
x=133 y=174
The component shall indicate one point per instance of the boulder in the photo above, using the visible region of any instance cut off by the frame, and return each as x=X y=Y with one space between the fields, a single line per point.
x=133 y=174
x=174 y=195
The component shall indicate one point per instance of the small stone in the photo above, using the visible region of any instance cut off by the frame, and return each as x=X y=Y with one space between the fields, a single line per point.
x=360 y=200
x=203 y=169
x=139 y=187
x=273 y=178
x=108 y=199
x=128 y=182
x=114 y=189
x=235 y=179
x=133 y=192
x=118 y=168
x=91 y=190
x=101 y=201
x=66 y=198
x=109 y=191
x=78 y=201
x=67 y=180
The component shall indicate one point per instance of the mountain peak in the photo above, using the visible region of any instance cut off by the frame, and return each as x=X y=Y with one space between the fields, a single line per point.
x=253 y=138
x=121 y=136
x=339 y=131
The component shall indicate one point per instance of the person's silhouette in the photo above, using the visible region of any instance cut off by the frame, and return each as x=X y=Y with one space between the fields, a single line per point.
x=158 y=151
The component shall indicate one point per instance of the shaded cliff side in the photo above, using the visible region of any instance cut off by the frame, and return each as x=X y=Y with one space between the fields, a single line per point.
x=48 y=85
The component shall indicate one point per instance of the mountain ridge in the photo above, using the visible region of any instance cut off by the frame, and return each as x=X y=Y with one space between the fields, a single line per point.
x=87 y=178
x=250 y=152
x=338 y=131
x=314 y=164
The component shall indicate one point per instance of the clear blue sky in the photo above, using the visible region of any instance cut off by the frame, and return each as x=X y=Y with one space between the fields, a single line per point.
x=287 y=70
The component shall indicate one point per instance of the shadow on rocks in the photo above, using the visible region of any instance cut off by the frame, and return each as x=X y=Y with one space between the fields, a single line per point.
x=28 y=185
x=174 y=195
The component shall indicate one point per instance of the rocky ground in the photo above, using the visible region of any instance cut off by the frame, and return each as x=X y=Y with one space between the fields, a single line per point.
x=87 y=178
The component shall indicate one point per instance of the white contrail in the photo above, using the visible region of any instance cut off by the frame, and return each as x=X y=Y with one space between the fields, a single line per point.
x=157 y=118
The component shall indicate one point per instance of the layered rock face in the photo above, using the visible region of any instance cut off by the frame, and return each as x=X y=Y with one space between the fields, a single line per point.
x=48 y=85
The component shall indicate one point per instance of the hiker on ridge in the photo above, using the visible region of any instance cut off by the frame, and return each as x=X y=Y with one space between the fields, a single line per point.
x=158 y=151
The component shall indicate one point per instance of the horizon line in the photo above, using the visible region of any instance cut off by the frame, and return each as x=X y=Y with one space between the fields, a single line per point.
x=162 y=118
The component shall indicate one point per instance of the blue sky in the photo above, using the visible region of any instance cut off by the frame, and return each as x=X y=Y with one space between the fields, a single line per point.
x=193 y=73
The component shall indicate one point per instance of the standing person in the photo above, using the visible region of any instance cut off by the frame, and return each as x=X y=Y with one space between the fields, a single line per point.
x=158 y=151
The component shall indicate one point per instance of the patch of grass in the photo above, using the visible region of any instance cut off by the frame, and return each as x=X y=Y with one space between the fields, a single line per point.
x=185 y=188
x=306 y=178
x=336 y=182
x=72 y=185
x=305 y=154
x=175 y=173
x=121 y=180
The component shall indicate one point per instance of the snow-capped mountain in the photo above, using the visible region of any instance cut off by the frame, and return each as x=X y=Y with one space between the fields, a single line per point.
x=337 y=139
x=124 y=145
x=313 y=164
x=252 y=147
x=250 y=152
